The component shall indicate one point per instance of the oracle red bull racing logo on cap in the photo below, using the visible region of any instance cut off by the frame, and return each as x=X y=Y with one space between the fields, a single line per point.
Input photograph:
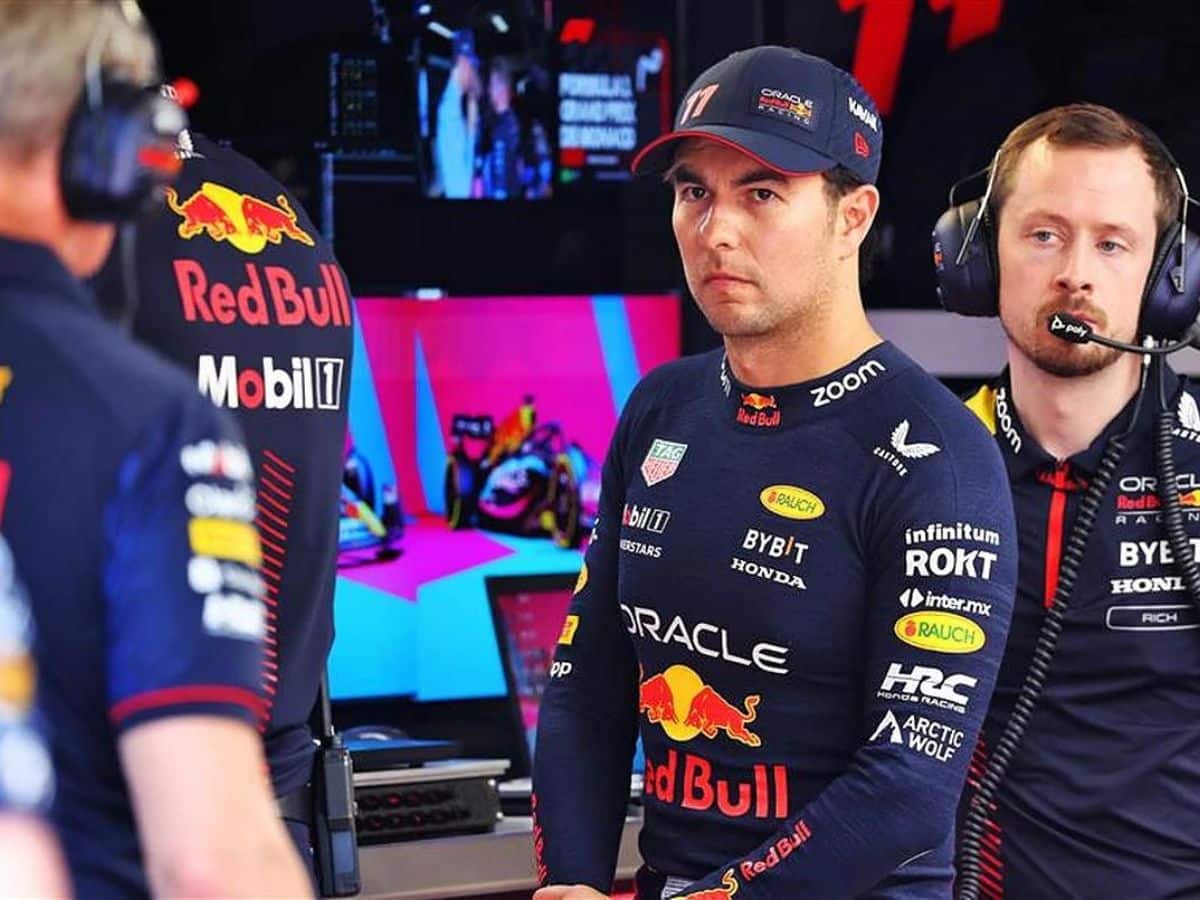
x=759 y=410
x=680 y=701
x=662 y=460
x=792 y=502
x=246 y=222
x=785 y=105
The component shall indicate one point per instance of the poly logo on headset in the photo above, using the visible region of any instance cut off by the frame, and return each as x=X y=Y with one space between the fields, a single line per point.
x=245 y=221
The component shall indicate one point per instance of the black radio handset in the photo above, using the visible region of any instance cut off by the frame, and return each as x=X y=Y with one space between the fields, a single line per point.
x=335 y=838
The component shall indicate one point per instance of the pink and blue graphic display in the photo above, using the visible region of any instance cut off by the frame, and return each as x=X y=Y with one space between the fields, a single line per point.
x=419 y=625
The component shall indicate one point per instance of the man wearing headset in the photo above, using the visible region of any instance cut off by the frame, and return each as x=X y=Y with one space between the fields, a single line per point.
x=1086 y=779
x=30 y=863
x=799 y=586
x=127 y=498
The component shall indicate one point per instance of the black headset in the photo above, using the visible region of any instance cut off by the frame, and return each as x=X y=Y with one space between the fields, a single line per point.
x=118 y=148
x=967 y=266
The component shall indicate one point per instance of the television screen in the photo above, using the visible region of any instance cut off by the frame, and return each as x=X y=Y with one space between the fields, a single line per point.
x=485 y=99
x=528 y=615
x=477 y=428
x=614 y=87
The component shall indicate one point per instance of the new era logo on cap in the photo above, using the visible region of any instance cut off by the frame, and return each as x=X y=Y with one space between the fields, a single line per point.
x=793 y=112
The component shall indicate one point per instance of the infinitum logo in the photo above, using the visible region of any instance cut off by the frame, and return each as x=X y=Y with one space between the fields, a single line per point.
x=310 y=383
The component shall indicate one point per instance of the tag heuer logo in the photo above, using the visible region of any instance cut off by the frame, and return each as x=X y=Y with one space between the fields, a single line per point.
x=662 y=460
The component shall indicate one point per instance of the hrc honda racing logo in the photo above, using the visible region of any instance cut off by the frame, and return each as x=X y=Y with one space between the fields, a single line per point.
x=307 y=383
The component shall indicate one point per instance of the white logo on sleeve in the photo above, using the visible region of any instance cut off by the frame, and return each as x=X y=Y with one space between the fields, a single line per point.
x=1189 y=412
x=913 y=450
x=890 y=725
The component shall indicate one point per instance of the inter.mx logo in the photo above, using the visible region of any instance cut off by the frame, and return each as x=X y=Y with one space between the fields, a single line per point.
x=310 y=383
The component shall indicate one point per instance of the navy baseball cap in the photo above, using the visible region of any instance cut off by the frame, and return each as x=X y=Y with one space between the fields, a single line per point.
x=792 y=112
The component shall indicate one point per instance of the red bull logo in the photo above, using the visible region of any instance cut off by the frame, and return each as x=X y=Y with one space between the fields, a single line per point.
x=687 y=780
x=759 y=401
x=722 y=893
x=1148 y=502
x=246 y=222
x=685 y=706
x=759 y=410
x=779 y=851
x=269 y=296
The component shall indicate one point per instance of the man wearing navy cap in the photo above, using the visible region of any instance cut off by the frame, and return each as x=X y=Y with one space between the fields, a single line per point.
x=799 y=587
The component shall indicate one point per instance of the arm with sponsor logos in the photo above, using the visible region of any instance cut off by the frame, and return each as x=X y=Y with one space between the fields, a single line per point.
x=185 y=630
x=30 y=862
x=942 y=557
x=588 y=717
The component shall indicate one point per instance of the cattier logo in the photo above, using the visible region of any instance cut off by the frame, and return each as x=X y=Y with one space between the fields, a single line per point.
x=792 y=502
x=940 y=632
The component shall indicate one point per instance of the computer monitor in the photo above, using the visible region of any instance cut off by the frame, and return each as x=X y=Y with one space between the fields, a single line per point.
x=528 y=613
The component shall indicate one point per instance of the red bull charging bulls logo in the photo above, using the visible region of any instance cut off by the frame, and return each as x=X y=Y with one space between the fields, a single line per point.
x=759 y=410
x=244 y=221
x=722 y=893
x=685 y=706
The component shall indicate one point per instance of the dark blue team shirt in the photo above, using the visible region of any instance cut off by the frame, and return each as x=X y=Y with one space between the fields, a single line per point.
x=799 y=598
x=238 y=287
x=127 y=500
x=1102 y=798
x=26 y=776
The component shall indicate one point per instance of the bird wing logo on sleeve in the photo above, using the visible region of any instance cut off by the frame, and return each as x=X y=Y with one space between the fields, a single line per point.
x=913 y=450
x=1189 y=412
x=903 y=449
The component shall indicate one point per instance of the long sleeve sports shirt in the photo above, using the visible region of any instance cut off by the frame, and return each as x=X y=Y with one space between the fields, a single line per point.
x=799 y=598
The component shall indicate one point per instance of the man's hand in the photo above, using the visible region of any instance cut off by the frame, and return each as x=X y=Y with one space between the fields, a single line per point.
x=569 y=892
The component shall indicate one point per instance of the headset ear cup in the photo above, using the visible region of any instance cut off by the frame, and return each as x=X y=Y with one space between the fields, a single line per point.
x=969 y=289
x=103 y=171
x=1171 y=302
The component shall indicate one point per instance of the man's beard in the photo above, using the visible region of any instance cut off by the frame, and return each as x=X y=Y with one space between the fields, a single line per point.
x=1056 y=356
